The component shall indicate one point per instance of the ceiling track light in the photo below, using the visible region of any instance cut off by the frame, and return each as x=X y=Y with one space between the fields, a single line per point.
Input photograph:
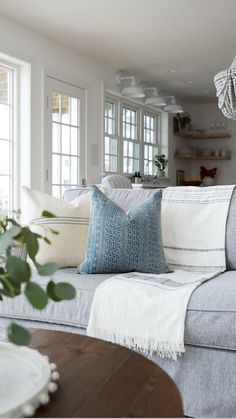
x=132 y=90
x=155 y=99
x=173 y=107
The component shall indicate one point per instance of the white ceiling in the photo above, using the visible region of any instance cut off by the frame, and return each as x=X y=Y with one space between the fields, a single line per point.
x=143 y=37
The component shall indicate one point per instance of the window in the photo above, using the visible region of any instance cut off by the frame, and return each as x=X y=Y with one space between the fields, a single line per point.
x=110 y=139
x=7 y=114
x=150 y=139
x=132 y=137
x=65 y=143
x=64 y=136
x=15 y=132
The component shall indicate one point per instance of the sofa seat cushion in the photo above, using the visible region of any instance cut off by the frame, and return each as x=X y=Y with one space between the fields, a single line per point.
x=211 y=316
x=73 y=313
x=210 y=321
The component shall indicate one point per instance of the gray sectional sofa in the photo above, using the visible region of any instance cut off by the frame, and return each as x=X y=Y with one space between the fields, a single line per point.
x=206 y=373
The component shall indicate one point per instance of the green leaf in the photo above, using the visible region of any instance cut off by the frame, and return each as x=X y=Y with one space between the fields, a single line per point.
x=47 y=269
x=18 y=269
x=12 y=221
x=36 y=295
x=18 y=334
x=54 y=231
x=48 y=214
x=6 y=238
x=47 y=240
x=64 y=291
x=51 y=291
x=31 y=240
x=9 y=288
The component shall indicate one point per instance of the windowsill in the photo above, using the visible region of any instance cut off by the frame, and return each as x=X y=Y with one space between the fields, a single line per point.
x=162 y=182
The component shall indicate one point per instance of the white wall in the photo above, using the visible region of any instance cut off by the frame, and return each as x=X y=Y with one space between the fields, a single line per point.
x=202 y=116
x=49 y=57
x=174 y=143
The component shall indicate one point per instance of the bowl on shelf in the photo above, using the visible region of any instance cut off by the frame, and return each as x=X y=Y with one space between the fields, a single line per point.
x=207 y=153
x=185 y=151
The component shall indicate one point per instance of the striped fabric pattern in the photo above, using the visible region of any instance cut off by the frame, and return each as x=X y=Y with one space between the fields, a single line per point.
x=60 y=221
x=193 y=227
x=71 y=222
x=117 y=182
x=153 y=312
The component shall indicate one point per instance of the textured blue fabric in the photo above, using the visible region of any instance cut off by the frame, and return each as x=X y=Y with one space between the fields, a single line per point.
x=124 y=242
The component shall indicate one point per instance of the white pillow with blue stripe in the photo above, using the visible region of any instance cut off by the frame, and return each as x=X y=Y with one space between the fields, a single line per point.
x=67 y=248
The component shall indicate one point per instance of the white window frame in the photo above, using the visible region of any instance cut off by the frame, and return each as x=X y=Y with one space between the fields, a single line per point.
x=21 y=128
x=138 y=139
x=64 y=87
x=12 y=131
x=161 y=144
x=114 y=136
x=157 y=142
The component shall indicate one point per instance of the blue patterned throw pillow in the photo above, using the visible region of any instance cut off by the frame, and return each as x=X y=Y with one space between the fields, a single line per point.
x=124 y=242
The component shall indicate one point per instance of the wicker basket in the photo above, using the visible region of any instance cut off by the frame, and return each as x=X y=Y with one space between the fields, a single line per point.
x=225 y=82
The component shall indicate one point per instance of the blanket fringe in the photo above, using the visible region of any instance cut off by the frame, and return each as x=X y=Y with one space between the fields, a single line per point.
x=147 y=347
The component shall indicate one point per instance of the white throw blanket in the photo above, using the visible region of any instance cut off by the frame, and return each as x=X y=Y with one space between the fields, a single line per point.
x=146 y=311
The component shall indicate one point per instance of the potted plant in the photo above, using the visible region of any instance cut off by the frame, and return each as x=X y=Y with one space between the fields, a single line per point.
x=160 y=162
x=185 y=121
x=15 y=272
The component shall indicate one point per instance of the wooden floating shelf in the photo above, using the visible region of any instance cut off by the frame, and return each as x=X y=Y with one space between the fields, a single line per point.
x=177 y=156
x=202 y=135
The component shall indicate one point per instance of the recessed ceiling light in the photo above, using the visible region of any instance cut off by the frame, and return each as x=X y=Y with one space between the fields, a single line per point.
x=173 y=70
x=189 y=81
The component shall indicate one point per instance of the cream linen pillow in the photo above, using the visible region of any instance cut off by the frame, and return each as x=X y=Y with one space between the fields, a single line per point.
x=71 y=221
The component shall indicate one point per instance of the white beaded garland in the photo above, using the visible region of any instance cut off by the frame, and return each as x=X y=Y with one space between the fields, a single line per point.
x=55 y=376
x=52 y=387
x=53 y=366
x=44 y=399
x=28 y=410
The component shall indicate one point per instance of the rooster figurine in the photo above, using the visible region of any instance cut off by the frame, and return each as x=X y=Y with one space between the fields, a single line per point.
x=207 y=176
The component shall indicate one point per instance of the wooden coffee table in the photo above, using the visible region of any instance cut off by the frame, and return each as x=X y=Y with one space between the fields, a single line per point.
x=100 y=379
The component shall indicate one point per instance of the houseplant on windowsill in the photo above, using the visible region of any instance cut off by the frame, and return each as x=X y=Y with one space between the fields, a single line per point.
x=160 y=162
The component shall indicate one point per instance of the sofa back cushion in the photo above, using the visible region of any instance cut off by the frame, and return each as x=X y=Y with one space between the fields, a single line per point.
x=125 y=198
x=129 y=198
x=231 y=235
x=71 y=194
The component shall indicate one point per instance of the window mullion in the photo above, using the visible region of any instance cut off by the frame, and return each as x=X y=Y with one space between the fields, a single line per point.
x=141 y=148
x=121 y=140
